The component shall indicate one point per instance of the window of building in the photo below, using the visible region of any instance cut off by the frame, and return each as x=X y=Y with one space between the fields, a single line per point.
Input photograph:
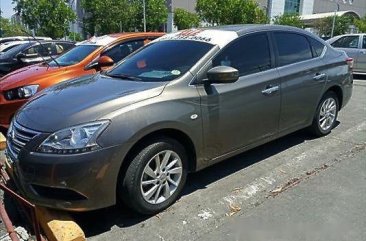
x=249 y=54
x=292 y=48
x=292 y=6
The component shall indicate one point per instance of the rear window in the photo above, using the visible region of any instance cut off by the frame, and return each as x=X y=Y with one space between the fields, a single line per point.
x=292 y=48
x=317 y=47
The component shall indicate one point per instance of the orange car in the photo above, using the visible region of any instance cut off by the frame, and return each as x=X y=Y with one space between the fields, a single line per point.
x=86 y=58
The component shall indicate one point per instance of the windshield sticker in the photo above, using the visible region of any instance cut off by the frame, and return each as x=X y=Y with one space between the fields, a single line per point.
x=102 y=40
x=156 y=74
x=216 y=37
x=175 y=72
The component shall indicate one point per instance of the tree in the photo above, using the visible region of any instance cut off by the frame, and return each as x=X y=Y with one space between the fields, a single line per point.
x=109 y=16
x=361 y=24
x=184 y=19
x=289 y=19
x=47 y=17
x=156 y=14
x=9 y=29
x=341 y=26
x=218 y=12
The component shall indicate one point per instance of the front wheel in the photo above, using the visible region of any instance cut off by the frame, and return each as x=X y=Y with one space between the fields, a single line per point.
x=326 y=115
x=155 y=177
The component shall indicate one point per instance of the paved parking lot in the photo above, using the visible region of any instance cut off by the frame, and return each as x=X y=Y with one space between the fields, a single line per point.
x=253 y=184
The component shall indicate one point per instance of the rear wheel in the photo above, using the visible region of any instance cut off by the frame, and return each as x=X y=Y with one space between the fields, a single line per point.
x=155 y=177
x=326 y=114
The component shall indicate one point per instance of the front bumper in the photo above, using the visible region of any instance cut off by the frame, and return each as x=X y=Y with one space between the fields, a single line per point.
x=79 y=182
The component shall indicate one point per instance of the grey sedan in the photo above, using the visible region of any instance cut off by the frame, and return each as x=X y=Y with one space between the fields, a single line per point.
x=355 y=47
x=183 y=102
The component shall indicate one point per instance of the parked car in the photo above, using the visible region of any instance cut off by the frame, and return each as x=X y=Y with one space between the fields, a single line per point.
x=22 y=38
x=31 y=53
x=9 y=45
x=86 y=58
x=355 y=47
x=180 y=104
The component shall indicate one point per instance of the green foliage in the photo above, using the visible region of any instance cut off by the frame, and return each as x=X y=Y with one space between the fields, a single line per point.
x=75 y=37
x=218 y=12
x=361 y=24
x=9 y=29
x=341 y=26
x=184 y=19
x=289 y=19
x=156 y=14
x=111 y=16
x=47 y=17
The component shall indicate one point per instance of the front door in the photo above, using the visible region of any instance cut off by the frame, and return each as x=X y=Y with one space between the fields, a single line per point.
x=238 y=114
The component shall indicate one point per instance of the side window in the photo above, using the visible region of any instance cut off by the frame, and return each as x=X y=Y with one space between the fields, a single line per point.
x=364 y=42
x=39 y=50
x=120 y=51
x=317 y=47
x=347 y=42
x=292 y=48
x=59 y=48
x=249 y=54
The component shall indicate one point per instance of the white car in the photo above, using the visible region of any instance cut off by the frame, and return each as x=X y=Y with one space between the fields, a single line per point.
x=9 y=45
x=355 y=47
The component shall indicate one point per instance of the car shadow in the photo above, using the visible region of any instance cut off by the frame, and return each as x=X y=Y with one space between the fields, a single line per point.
x=100 y=221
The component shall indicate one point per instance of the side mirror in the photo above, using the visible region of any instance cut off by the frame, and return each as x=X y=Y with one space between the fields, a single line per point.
x=105 y=61
x=223 y=75
x=20 y=56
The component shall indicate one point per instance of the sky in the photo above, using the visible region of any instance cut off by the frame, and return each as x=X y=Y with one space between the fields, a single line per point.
x=6 y=8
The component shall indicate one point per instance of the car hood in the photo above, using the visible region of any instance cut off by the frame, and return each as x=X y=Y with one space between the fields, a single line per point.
x=28 y=75
x=83 y=100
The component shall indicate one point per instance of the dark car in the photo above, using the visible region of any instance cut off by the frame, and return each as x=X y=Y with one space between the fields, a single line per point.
x=184 y=102
x=31 y=53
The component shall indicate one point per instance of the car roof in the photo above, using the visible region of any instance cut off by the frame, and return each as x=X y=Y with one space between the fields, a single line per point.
x=222 y=35
x=105 y=40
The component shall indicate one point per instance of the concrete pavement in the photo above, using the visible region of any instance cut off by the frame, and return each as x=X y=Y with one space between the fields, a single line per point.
x=328 y=206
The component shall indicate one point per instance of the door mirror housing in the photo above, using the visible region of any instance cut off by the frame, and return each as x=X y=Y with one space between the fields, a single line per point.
x=222 y=75
x=105 y=61
x=20 y=56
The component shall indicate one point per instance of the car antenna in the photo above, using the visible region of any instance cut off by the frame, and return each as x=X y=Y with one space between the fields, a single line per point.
x=45 y=61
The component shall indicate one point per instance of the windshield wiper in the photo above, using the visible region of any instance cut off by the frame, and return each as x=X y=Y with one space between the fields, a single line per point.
x=124 y=76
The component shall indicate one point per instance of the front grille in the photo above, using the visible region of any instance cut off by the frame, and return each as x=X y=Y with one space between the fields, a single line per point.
x=18 y=136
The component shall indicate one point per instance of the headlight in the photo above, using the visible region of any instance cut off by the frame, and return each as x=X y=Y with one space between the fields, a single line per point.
x=21 y=92
x=76 y=139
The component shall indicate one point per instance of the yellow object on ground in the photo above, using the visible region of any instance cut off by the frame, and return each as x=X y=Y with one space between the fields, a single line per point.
x=59 y=226
x=2 y=142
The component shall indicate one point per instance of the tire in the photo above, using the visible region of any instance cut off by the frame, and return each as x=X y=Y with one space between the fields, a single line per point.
x=326 y=115
x=148 y=189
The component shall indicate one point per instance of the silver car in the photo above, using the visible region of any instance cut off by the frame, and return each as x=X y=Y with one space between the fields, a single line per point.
x=355 y=47
x=183 y=102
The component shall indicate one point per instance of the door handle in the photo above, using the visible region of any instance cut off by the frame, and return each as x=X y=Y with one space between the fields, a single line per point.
x=270 y=89
x=319 y=76
x=363 y=51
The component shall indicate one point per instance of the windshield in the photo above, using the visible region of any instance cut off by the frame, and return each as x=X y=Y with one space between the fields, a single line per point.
x=75 y=55
x=161 y=61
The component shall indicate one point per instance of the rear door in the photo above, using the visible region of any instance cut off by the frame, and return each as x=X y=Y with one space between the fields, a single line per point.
x=303 y=76
x=238 y=114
